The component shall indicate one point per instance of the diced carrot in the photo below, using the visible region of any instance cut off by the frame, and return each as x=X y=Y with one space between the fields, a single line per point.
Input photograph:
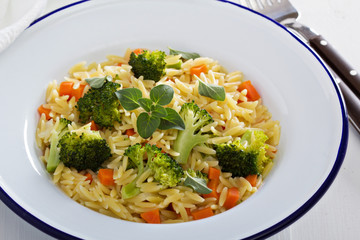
x=213 y=173
x=197 y=70
x=252 y=179
x=66 y=88
x=78 y=92
x=202 y=213
x=106 y=176
x=119 y=64
x=138 y=51
x=188 y=211
x=152 y=216
x=88 y=177
x=252 y=94
x=232 y=197
x=45 y=111
x=93 y=126
x=212 y=184
x=130 y=132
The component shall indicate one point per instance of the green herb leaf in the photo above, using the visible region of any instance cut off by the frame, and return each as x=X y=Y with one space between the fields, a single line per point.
x=98 y=82
x=158 y=111
x=211 y=90
x=145 y=103
x=175 y=65
x=171 y=121
x=129 y=98
x=198 y=184
x=184 y=55
x=147 y=124
x=162 y=94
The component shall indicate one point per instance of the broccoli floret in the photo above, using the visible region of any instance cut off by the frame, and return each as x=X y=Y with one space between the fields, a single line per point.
x=54 y=159
x=100 y=105
x=85 y=151
x=245 y=156
x=194 y=119
x=164 y=169
x=150 y=65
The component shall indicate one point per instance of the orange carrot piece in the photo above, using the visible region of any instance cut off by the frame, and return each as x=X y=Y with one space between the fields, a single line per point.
x=232 y=197
x=66 y=88
x=188 y=211
x=197 y=70
x=88 y=177
x=77 y=93
x=212 y=184
x=119 y=64
x=45 y=111
x=138 y=51
x=252 y=179
x=202 y=213
x=152 y=216
x=252 y=94
x=213 y=173
x=106 y=176
x=130 y=132
x=93 y=126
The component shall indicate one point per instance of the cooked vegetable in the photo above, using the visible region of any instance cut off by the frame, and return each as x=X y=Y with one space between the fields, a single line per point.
x=106 y=176
x=67 y=88
x=252 y=179
x=130 y=132
x=100 y=105
x=194 y=119
x=150 y=65
x=212 y=184
x=197 y=70
x=152 y=216
x=45 y=111
x=85 y=151
x=233 y=195
x=212 y=91
x=252 y=94
x=89 y=177
x=164 y=169
x=93 y=126
x=202 y=213
x=244 y=157
x=214 y=173
x=54 y=155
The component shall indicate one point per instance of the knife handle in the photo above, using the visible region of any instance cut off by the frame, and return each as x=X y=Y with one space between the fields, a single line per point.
x=345 y=72
x=352 y=104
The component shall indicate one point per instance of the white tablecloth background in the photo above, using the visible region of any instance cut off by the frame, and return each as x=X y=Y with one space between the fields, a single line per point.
x=337 y=214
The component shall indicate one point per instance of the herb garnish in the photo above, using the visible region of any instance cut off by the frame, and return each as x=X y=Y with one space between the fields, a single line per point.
x=156 y=116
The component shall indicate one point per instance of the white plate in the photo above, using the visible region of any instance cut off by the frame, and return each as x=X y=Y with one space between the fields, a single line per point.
x=293 y=82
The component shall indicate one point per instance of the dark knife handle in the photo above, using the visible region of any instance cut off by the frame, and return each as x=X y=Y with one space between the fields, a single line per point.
x=352 y=104
x=345 y=72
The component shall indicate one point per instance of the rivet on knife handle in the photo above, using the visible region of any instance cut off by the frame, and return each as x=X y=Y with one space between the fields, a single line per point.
x=345 y=72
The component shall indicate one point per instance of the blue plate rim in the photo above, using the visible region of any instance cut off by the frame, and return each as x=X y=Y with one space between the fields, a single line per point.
x=54 y=232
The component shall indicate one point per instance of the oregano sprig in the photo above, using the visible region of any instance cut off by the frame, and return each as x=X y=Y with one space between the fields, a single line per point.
x=156 y=116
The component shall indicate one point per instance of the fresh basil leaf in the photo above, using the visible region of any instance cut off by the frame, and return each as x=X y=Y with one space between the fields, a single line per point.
x=147 y=124
x=198 y=184
x=184 y=55
x=171 y=121
x=158 y=111
x=129 y=98
x=98 y=82
x=211 y=90
x=175 y=65
x=145 y=103
x=162 y=94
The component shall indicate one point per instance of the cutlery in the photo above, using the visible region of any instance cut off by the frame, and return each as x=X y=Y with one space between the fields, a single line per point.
x=285 y=13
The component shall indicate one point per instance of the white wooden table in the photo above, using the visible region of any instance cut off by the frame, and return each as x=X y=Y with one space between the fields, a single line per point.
x=337 y=214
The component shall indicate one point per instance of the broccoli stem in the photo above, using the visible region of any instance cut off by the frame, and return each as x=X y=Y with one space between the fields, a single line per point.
x=130 y=190
x=185 y=142
x=54 y=155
